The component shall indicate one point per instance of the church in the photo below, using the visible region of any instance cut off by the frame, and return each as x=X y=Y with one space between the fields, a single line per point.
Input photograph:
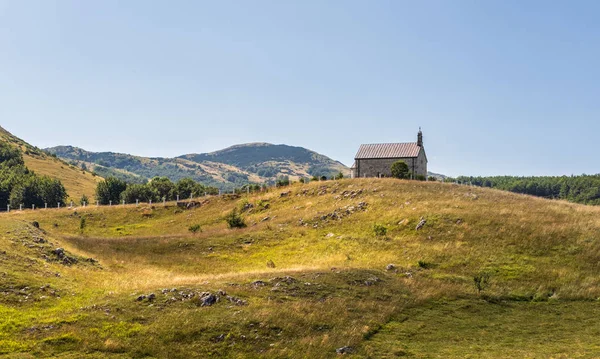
x=375 y=160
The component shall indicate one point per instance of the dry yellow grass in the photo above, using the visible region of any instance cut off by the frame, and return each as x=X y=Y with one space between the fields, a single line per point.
x=76 y=181
x=542 y=258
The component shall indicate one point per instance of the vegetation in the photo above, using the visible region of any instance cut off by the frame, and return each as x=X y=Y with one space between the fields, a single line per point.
x=580 y=189
x=227 y=169
x=235 y=220
x=110 y=190
x=313 y=256
x=20 y=186
x=400 y=170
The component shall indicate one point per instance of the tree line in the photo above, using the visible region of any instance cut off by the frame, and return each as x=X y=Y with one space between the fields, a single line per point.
x=21 y=186
x=115 y=190
x=583 y=189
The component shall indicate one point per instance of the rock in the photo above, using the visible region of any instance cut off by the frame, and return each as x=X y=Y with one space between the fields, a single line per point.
x=421 y=224
x=208 y=299
x=390 y=267
x=270 y=264
x=284 y=194
x=35 y=224
x=329 y=235
x=236 y=301
x=459 y=221
x=259 y=283
x=151 y=296
x=140 y=298
x=344 y=350
x=59 y=252
x=265 y=219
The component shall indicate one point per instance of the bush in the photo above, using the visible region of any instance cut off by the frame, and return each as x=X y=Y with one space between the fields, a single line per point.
x=110 y=190
x=340 y=175
x=420 y=178
x=82 y=224
x=235 y=220
x=425 y=265
x=84 y=200
x=481 y=281
x=195 y=228
x=400 y=170
x=432 y=179
x=379 y=230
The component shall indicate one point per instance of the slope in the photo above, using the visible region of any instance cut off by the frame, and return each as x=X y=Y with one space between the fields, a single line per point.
x=319 y=267
x=228 y=168
x=77 y=182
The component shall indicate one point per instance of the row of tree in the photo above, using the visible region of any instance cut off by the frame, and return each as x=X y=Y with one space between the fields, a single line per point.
x=580 y=189
x=20 y=186
x=116 y=190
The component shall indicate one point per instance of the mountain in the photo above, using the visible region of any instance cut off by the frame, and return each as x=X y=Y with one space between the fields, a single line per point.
x=77 y=182
x=327 y=265
x=227 y=168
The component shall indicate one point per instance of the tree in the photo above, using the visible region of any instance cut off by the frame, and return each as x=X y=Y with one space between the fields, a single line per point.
x=186 y=187
x=339 y=176
x=400 y=170
x=163 y=187
x=141 y=192
x=110 y=190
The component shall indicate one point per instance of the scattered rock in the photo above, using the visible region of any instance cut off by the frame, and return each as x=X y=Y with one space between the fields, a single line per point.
x=207 y=299
x=35 y=224
x=284 y=194
x=390 y=267
x=151 y=296
x=265 y=219
x=421 y=223
x=344 y=350
x=259 y=283
x=270 y=264
x=459 y=221
x=140 y=298
x=329 y=235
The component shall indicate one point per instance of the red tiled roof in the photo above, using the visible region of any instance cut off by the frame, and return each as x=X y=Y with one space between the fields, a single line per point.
x=388 y=150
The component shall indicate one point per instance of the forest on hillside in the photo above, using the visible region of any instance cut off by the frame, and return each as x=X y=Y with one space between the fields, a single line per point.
x=583 y=189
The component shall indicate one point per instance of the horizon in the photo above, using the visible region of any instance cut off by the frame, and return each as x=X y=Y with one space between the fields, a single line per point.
x=499 y=88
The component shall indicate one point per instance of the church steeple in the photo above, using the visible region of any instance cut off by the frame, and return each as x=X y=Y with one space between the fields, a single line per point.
x=420 y=138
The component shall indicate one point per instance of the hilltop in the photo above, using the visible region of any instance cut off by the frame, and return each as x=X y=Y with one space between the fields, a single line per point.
x=318 y=267
x=231 y=167
x=77 y=182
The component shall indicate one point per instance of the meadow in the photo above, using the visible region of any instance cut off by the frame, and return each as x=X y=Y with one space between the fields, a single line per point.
x=319 y=267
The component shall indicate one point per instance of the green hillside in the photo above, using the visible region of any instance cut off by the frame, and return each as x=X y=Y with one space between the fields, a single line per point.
x=77 y=182
x=228 y=168
x=325 y=266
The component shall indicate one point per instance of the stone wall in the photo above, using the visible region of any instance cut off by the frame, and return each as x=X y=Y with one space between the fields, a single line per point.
x=382 y=166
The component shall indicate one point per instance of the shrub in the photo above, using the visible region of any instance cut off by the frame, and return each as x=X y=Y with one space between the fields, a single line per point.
x=425 y=265
x=84 y=200
x=235 y=220
x=400 y=170
x=379 y=230
x=340 y=175
x=82 y=224
x=432 y=179
x=420 y=178
x=195 y=228
x=481 y=281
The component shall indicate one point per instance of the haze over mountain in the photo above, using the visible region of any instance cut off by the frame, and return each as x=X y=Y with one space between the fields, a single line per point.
x=227 y=168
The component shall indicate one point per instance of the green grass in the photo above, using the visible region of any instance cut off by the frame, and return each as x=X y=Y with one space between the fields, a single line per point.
x=542 y=258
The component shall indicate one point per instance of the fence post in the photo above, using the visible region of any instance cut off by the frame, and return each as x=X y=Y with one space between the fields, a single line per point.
x=177 y=198
x=45 y=205
x=164 y=201
x=33 y=207
x=110 y=203
x=150 y=203
x=20 y=207
x=137 y=202
x=8 y=208
x=58 y=205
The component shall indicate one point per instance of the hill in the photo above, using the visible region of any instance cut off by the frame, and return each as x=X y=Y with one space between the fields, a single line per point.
x=228 y=168
x=319 y=267
x=77 y=182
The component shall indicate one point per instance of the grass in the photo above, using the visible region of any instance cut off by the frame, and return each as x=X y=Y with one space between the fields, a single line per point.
x=76 y=181
x=328 y=286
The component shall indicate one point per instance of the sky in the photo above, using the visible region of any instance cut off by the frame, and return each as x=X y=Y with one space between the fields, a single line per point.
x=498 y=87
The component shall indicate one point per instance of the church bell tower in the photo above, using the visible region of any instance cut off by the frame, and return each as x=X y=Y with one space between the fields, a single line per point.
x=420 y=138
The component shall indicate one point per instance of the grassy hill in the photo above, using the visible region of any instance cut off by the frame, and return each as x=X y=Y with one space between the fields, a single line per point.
x=228 y=168
x=318 y=267
x=76 y=181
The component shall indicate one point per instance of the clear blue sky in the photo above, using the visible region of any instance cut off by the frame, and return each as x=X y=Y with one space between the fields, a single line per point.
x=499 y=87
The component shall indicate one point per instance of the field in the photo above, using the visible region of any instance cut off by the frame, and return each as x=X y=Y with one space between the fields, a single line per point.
x=318 y=267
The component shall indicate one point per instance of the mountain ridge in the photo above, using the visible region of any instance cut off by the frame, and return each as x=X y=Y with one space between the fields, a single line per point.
x=256 y=162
